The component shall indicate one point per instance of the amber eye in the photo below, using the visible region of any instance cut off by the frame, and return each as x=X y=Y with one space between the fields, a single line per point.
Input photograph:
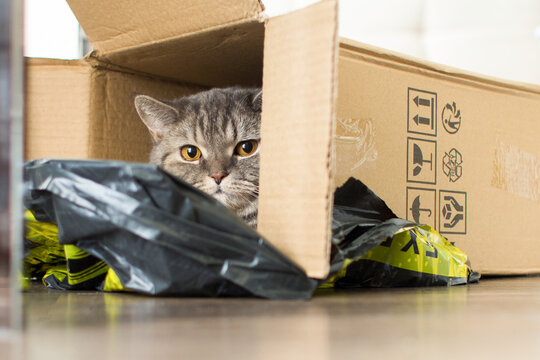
x=246 y=148
x=190 y=152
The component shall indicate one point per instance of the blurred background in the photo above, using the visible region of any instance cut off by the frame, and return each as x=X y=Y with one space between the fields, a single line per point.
x=499 y=38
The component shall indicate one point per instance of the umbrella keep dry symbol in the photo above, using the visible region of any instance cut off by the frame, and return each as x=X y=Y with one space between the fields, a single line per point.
x=416 y=209
x=421 y=205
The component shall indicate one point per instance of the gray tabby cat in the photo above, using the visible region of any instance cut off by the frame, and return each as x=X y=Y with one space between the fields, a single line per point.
x=211 y=141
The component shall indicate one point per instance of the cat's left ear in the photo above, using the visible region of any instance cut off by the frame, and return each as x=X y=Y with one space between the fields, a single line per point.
x=256 y=102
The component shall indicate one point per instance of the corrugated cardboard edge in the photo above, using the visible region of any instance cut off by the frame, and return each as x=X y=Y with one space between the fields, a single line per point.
x=98 y=117
x=299 y=75
x=120 y=24
x=32 y=61
x=389 y=56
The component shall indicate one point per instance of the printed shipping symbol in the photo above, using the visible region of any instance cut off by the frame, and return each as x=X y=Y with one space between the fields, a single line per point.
x=420 y=153
x=452 y=168
x=451 y=117
x=418 y=159
x=421 y=119
x=421 y=205
x=452 y=212
x=448 y=212
x=421 y=112
x=416 y=209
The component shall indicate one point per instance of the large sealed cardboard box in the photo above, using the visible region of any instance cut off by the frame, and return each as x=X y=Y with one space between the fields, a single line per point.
x=452 y=149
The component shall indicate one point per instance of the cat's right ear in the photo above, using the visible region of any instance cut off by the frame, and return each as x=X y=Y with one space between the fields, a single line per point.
x=256 y=102
x=155 y=115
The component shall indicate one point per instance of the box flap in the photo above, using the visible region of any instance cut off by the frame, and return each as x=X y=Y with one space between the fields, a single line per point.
x=297 y=123
x=218 y=57
x=113 y=25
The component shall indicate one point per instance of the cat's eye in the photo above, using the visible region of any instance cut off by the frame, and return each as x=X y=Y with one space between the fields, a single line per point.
x=190 y=152
x=246 y=148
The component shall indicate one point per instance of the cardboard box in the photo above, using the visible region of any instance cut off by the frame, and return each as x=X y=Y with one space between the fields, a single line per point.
x=441 y=146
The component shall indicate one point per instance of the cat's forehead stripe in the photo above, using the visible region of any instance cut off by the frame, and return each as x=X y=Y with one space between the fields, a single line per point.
x=216 y=117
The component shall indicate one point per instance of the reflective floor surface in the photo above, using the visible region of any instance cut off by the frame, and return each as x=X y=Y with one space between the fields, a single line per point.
x=495 y=319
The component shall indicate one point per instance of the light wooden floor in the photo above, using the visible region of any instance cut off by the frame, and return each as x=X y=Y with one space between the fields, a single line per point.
x=496 y=319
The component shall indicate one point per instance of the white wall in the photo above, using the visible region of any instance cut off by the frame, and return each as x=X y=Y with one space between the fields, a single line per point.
x=495 y=37
x=50 y=30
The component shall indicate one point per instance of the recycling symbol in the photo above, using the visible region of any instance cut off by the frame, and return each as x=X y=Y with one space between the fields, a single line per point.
x=451 y=118
x=452 y=161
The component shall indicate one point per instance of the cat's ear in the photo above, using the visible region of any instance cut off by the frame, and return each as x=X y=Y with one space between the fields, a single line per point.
x=256 y=102
x=155 y=114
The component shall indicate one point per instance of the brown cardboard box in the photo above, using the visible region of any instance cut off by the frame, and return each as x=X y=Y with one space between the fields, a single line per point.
x=445 y=147
x=449 y=148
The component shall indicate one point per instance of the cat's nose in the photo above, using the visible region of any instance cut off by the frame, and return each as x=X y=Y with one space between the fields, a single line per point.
x=219 y=176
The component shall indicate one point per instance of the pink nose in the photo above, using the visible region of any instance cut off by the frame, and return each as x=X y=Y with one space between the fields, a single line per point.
x=219 y=176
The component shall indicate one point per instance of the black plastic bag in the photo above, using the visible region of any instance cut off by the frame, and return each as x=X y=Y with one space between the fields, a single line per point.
x=159 y=235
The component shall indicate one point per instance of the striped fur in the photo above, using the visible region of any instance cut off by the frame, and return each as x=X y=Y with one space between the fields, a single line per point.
x=215 y=121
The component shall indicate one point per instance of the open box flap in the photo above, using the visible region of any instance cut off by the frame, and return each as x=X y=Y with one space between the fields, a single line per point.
x=299 y=76
x=119 y=24
x=219 y=57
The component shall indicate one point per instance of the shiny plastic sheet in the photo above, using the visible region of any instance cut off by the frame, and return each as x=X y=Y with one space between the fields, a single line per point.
x=159 y=235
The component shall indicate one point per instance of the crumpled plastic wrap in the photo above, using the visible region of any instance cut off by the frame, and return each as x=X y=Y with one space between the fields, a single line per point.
x=133 y=227
x=159 y=235
x=372 y=247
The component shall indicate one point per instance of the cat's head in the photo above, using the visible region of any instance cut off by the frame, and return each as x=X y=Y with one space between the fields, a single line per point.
x=210 y=140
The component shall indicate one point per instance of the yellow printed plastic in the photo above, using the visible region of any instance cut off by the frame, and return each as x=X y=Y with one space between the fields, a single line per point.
x=60 y=272
x=421 y=249
x=417 y=248
x=46 y=252
x=47 y=256
x=45 y=232
x=112 y=282
x=73 y=252
x=330 y=282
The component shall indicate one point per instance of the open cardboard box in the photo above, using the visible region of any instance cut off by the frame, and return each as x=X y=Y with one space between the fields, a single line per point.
x=441 y=146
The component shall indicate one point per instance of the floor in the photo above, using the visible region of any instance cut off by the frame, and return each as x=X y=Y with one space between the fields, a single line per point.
x=495 y=319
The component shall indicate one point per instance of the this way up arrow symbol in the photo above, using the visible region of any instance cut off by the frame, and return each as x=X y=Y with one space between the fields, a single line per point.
x=424 y=102
x=421 y=120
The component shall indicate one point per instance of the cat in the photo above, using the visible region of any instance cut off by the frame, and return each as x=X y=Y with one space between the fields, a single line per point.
x=210 y=140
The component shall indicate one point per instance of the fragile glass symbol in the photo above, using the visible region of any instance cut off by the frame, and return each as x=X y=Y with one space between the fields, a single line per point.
x=416 y=209
x=418 y=158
